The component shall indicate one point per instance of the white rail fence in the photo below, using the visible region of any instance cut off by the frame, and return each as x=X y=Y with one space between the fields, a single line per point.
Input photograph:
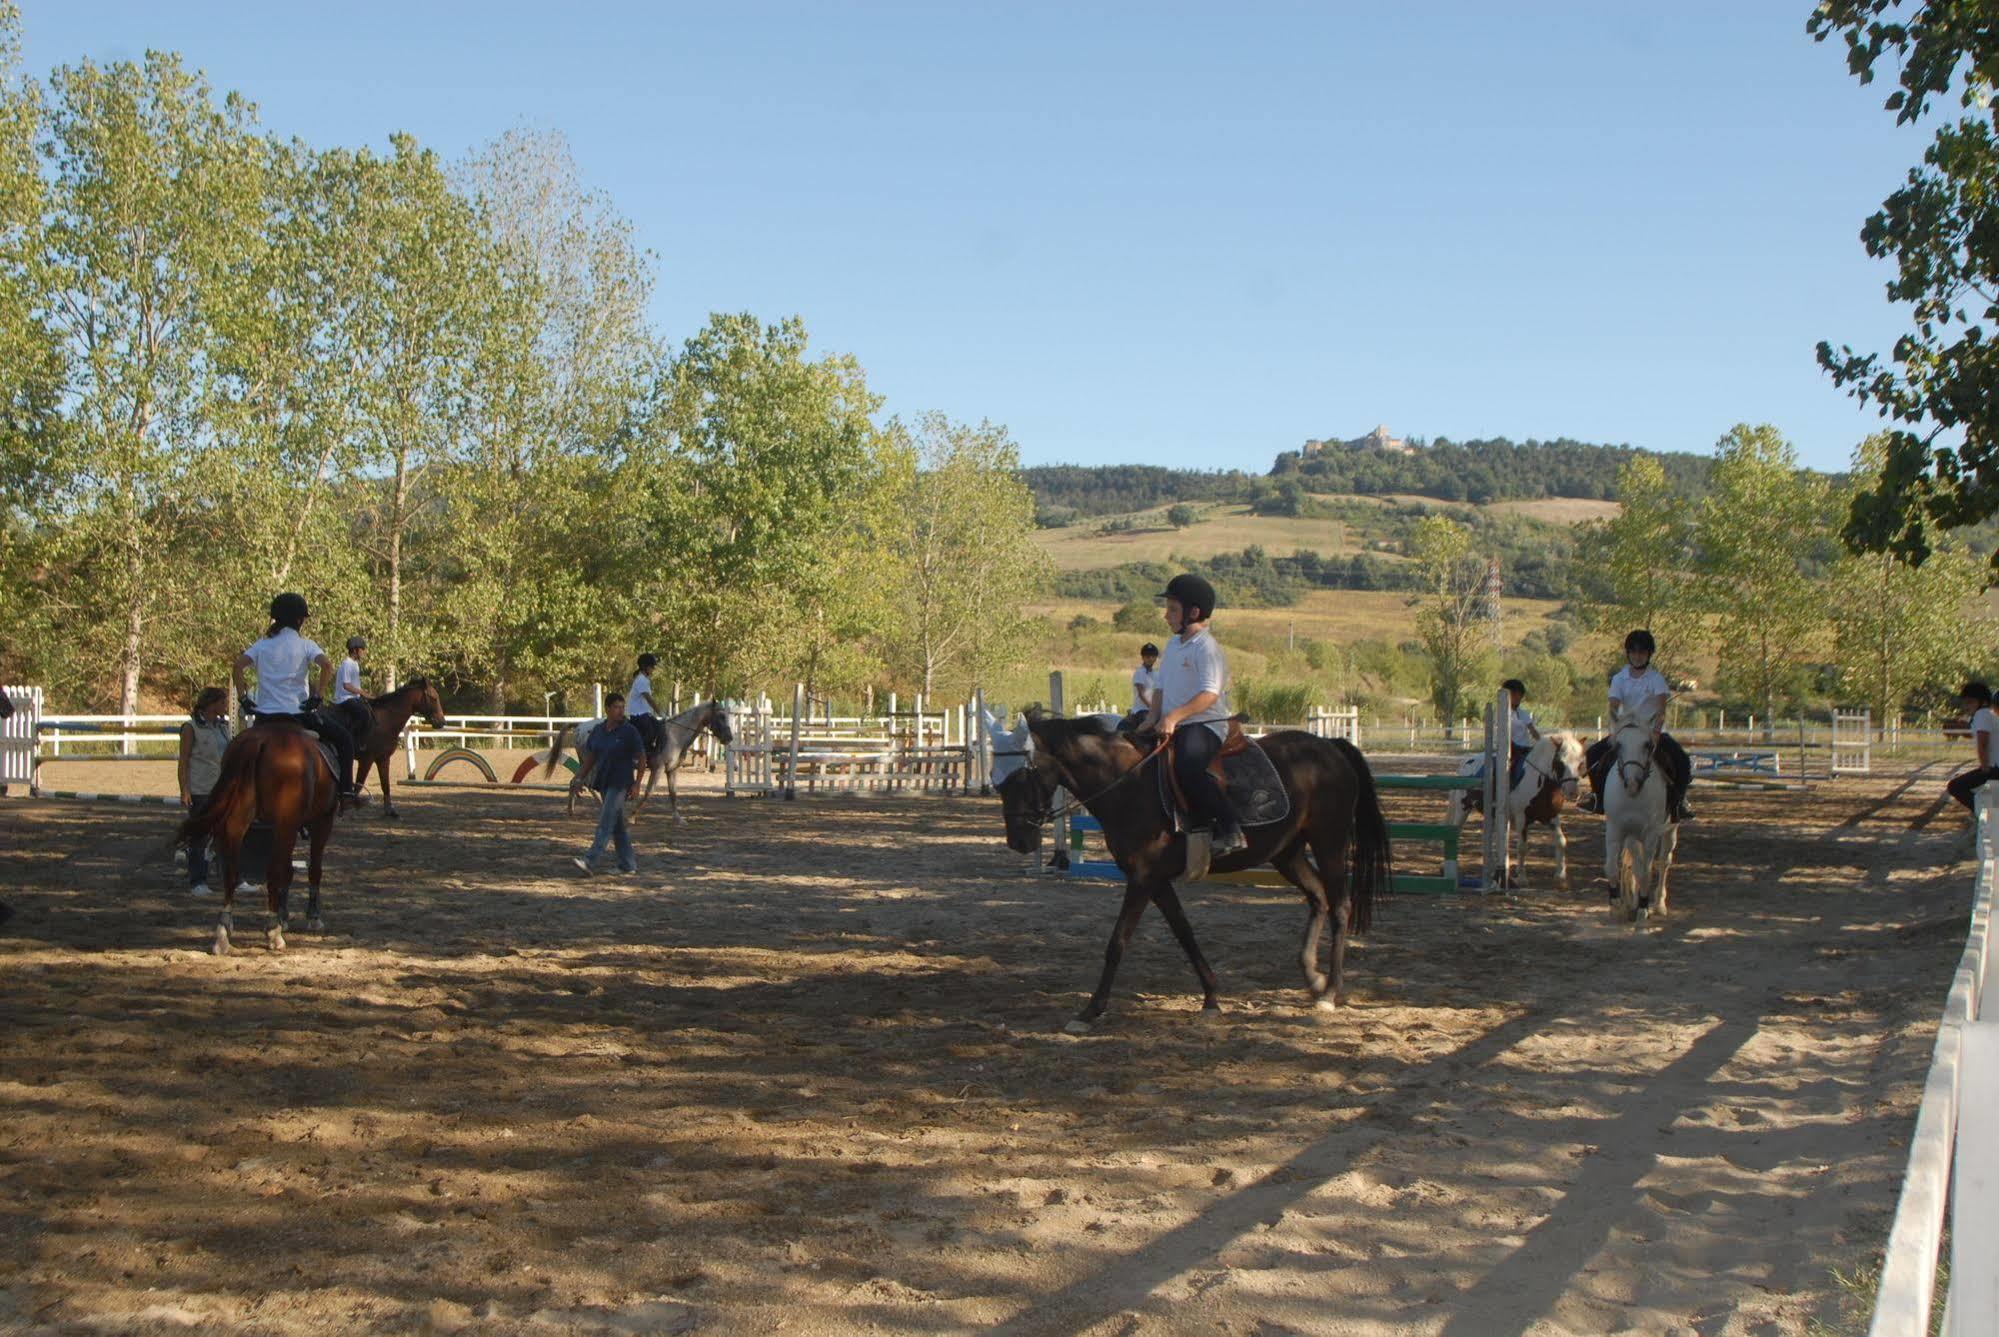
x=1953 y=1174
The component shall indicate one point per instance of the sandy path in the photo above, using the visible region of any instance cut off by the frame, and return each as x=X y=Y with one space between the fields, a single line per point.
x=806 y=1073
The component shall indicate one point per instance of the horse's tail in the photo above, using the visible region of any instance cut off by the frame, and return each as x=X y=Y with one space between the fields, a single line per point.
x=1373 y=872
x=235 y=792
x=556 y=749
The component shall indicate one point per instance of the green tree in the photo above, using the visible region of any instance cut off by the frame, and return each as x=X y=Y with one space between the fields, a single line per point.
x=1634 y=569
x=967 y=554
x=560 y=356
x=1903 y=630
x=1758 y=528
x=1181 y=516
x=154 y=191
x=1937 y=230
x=1449 y=617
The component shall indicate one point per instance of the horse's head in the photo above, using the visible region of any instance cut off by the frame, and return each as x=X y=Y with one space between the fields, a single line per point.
x=428 y=703
x=720 y=724
x=6 y=707
x=1566 y=760
x=1027 y=793
x=1635 y=738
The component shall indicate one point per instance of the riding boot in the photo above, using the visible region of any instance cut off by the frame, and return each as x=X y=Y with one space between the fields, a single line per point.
x=1228 y=839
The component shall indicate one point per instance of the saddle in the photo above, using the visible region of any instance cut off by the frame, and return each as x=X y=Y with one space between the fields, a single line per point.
x=1246 y=775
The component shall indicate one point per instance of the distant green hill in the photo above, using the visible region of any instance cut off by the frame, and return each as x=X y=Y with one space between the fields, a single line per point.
x=1464 y=471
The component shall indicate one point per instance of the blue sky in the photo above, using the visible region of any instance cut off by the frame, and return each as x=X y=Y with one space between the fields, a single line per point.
x=1185 y=235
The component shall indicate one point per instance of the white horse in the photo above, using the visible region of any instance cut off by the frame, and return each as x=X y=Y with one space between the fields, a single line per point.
x=1639 y=836
x=1551 y=772
x=679 y=733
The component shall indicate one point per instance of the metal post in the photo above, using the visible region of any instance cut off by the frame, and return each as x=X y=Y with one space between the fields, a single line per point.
x=1055 y=706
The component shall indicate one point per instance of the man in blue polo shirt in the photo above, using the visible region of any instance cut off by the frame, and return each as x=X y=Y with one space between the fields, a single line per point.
x=612 y=757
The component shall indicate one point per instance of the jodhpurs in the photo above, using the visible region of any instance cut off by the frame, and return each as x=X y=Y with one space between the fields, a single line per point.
x=1194 y=747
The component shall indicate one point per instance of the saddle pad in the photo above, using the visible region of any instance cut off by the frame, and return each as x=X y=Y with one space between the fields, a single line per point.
x=1255 y=791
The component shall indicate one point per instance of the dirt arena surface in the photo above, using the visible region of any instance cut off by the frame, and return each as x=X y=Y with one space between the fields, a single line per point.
x=806 y=1073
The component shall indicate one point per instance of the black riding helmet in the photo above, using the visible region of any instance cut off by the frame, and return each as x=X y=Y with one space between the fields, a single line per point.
x=1195 y=594
x=1514 y=685
x=1640 y=640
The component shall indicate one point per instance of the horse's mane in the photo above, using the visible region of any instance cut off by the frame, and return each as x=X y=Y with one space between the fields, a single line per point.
x=416 y=684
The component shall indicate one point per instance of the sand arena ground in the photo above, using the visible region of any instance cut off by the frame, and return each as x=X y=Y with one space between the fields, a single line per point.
x=806 y=1073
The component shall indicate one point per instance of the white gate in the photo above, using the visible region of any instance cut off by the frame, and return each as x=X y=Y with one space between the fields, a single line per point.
x=1852 y=741
x=17 y=736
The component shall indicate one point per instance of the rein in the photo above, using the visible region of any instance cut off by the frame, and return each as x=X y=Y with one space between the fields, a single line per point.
x=1051 y=814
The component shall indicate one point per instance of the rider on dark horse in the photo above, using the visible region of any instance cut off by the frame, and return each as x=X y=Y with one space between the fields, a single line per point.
x=284 y=661
x=1632 y=686
x=642 y=710
x=1193 y=690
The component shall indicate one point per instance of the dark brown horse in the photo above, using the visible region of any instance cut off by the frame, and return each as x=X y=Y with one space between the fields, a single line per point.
x=391 y=712
x=276 y=773
x=1334 y=827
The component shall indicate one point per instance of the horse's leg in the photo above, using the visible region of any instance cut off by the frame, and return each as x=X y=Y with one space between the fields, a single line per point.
x=388 y=802
x=1168 y=901
x=1298 y=871
x=220 y=946
x=278 y=882
x=1136 y=898
x=1517 y=875
x=1561 y=854
x=1662 y=866
x=673 y=797
x=321 y=829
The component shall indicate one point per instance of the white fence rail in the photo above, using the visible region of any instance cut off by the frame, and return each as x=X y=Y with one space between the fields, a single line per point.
x=1957 y=1136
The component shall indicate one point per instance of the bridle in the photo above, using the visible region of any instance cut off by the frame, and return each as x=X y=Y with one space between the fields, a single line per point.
x=1047 y=812
x=1645 y=767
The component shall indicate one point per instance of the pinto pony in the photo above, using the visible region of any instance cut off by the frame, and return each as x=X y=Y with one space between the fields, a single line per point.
x=1332 y=845
x=388 y=715
x=274 y=771
x=679 y=734
x=1550 y=776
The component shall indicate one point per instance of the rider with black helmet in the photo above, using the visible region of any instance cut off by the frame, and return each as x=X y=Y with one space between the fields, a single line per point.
x=1631 y=687
x=1193 y=689
x=284 y=660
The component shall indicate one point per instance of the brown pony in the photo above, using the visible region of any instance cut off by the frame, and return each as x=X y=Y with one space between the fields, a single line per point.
x=391 y=713
x=276 y=772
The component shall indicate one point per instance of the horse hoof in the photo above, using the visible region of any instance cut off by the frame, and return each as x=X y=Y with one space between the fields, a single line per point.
x=1326 y=1004
x=220 y=947
x=315 y=925
x=1210 y=1015
x=1077 y=1026
x=274 y=938
x=390 y=812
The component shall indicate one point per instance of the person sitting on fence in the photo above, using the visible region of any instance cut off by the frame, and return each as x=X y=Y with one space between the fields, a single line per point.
x=347 y=682
x=1144 y=687
x=1976 y=698
x=204 y=736
x=1524 y=734
x=1631 y=688
x=1193 y=689
x=640 y=708
x=284 y=661
x=613 y=761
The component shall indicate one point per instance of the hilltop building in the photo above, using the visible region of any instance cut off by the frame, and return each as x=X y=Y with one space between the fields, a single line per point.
x=1378 y=440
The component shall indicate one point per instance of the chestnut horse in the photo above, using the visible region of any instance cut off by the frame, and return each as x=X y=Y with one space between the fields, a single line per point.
x=276 y=772
x=391 y=712
x=1334 y=826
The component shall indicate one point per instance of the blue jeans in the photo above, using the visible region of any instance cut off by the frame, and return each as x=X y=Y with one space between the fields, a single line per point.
x=197 y=850
x=611 y=829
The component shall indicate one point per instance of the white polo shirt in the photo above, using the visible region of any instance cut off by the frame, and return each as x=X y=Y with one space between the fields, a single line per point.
x=1189 y=667
x=284 y=670
x=635 y=697
x=1523 y=728
x=1984 y=721
x=1635 y=689
x=1143 y=682
x=347 y=680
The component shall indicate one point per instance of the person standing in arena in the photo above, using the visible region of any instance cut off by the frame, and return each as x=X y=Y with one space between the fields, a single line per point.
x=613 y=756
x=204 y=737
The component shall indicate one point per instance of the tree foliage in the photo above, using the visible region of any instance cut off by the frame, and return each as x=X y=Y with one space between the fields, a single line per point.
x=1940 y=465
x=1449 y=617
